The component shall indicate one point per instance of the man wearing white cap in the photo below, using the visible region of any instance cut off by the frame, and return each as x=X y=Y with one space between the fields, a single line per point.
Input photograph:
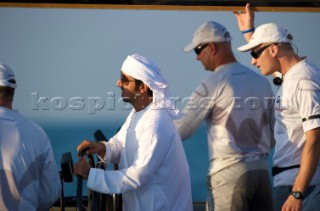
x=29 y=178
x=238 y=120
x=297 y=129
x=154 y=173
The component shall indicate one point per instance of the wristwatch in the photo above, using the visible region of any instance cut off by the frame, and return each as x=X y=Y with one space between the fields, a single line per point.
x=297 y=194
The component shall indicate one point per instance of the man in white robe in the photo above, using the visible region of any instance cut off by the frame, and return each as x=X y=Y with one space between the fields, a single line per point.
x=154 y=173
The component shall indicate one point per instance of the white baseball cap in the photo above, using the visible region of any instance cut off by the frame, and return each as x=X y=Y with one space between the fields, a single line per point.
x=6 y=74
x=267 y=33
x=208 y=32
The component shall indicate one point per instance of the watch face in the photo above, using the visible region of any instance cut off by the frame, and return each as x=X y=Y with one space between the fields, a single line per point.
x=297 y=195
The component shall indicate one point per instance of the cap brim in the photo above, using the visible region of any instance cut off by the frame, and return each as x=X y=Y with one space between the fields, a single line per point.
x=248 y=47
x=8 y=84
x=189 y=47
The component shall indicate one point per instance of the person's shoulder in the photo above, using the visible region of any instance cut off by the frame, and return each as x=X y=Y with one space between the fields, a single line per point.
x=208 y=80
x=311 y=69
x=156 y=119
x=303 y=70
x=32 y=124
x=16 y=116
x=163 y=120
x=208 y=84
x=251 y=74
x=249 y=70
x=256 y=79
x=156 y=112
x=158 y=116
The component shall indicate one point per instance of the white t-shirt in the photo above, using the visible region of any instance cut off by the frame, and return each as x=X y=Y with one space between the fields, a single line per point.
x=29 y=175
x=236 y=104
x=298 y=97
x=154 y=173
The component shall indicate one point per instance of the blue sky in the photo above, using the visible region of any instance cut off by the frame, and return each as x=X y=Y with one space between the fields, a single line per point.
x=68 y=55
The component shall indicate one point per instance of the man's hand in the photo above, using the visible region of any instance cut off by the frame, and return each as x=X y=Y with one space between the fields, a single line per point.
x=245 y=18
x=245 y=21
x=292 y=204
x=308 y=166
x=92 y=148
x=82 y=168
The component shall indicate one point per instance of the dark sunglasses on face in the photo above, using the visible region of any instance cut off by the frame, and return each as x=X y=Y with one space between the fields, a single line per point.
x=124 y=79
x=256 y=53
x=200 y=47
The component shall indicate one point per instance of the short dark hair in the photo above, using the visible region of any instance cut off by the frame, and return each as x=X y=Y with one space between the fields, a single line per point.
x=287 y=46
x=6 y=91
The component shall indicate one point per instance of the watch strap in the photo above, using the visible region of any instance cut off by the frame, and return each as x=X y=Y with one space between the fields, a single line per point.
x=297 y=194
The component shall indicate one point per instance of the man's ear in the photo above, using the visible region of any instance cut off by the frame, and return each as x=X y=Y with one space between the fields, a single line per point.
x=212 y=47
x=274 y=49
x=143 y=88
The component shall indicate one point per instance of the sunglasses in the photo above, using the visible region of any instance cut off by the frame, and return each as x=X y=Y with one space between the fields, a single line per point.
x=200 y=47
x=256 y=53
x=124 y=79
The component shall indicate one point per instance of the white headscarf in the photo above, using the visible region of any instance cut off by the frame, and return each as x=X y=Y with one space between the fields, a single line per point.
x=145 y=70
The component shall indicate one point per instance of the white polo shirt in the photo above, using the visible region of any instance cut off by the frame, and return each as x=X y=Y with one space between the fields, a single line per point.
x=28 y=171
x=236 y=103
x=298 y=97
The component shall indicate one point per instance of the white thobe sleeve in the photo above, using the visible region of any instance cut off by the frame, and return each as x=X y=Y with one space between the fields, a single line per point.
x=113 y=151
x=152 y=148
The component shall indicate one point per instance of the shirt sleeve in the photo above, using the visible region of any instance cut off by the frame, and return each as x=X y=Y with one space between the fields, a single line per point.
x=50 y=184
x=308 y=96
x=199 y=106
